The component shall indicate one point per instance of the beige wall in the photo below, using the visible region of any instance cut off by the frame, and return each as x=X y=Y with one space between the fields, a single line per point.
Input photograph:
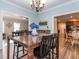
x=24 y=25
x=9 y=21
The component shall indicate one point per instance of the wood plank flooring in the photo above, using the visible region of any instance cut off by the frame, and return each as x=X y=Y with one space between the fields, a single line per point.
x=70 y=52
x=0 y=54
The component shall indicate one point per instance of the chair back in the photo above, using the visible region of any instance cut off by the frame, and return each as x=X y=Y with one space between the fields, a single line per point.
x=22 y=32
x=15 y=34
x=4 y=36
x=54 y=38
x=45 y=47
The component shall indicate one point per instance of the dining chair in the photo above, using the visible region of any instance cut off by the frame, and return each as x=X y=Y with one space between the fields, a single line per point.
x=53 y=45
x=17 y=50
x=18 y=46
x=69 y=38
x=43 y=51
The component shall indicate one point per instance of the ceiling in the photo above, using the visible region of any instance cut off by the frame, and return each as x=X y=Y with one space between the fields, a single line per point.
x=49 y=3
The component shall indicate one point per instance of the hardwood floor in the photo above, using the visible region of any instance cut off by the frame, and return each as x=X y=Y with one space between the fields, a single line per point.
x=0 y=54
x=70 y=52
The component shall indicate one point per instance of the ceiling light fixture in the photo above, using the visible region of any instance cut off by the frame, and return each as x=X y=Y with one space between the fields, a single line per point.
x=37 y=5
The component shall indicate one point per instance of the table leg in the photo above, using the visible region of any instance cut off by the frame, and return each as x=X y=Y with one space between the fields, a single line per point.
x=30 y=53
x=8 y=48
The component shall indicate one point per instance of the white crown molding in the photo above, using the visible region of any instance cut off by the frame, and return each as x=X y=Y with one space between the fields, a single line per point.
x=66 y=13
x=8 y=2
x=61 y=5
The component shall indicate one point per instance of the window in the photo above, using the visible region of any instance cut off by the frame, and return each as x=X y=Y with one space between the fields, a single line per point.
x=16 y=26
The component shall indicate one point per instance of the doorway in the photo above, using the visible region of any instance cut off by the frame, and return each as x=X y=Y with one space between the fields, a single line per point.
x=68 y=27
x=11 y=24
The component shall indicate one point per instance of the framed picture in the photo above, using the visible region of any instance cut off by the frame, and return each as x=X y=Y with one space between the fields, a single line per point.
x=43 y=23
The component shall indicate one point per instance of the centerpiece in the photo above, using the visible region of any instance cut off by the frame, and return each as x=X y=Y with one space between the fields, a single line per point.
x=34 y=27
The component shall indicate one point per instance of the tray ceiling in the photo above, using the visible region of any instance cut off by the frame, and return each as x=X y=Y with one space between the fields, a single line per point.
x=49 y=3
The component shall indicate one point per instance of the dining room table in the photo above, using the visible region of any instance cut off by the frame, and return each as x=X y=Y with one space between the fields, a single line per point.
x=28 y=41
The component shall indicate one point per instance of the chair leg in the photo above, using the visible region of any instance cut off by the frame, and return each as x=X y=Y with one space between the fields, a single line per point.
x=52 y=53
x=23 y=49
x=49 y=56
x=14 y=52
x=17 y=52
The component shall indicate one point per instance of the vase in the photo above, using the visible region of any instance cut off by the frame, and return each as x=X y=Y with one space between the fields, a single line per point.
x=34 y=31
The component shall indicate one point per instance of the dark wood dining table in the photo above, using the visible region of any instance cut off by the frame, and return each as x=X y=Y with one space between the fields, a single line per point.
x=28 y=41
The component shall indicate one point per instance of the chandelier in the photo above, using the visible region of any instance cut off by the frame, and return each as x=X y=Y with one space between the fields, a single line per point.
x=37 y=5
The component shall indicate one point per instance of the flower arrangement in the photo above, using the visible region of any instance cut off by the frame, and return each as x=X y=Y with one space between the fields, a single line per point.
x=34 y=26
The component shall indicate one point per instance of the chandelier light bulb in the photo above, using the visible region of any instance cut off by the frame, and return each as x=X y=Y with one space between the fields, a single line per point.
x=30 y=3
x=37 y=5
x=41 y=5
x=43 y=2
